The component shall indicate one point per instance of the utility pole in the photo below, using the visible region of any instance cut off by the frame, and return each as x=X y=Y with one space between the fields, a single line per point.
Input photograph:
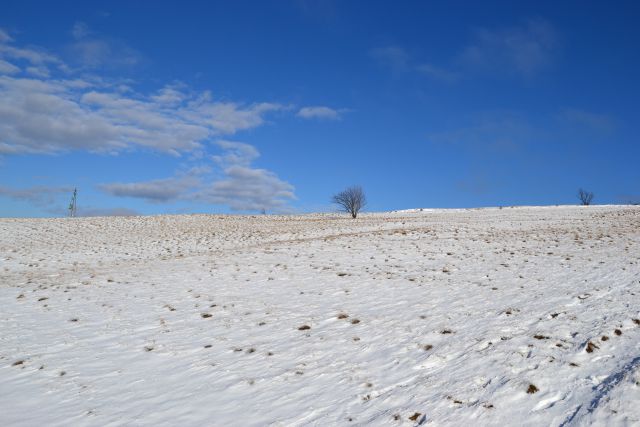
x=73 y=205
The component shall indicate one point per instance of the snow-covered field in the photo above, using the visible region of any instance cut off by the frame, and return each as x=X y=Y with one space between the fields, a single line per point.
x=514 y=316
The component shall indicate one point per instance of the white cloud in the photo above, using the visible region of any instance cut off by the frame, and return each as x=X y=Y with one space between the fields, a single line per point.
x=8 y=68
x=156 y=191
x=227 y=117
x=246 y=189
x=169 y=95
x=38 y=71
x=234 y=183
x=47 y=108
x=44 y=115
x=320 y=112
x=33 y=55
x=235 y=154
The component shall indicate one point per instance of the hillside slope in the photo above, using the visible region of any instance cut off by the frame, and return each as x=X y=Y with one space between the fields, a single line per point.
x=516 y=316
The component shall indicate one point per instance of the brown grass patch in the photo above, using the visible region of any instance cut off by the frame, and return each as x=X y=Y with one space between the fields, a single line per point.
x=590 y=347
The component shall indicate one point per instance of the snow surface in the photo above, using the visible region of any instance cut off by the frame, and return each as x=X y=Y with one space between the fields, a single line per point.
x=433 y=317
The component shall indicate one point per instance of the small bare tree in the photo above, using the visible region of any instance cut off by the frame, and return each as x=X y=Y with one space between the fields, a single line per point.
x=351 y=200
x=585 y=197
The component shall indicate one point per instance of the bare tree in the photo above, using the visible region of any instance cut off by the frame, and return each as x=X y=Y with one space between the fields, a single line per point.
x=351 y=200
x=585 y=197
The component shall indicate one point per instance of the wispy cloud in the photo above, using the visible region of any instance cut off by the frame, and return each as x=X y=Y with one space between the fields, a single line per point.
x=525 y=49
x=4 y=36
x=508 y=131
x=392 y=56
x=90 y=50
x=8 y=68
x=42 y=195
x=400 y=61
x=54 y=199
x=591 y=121
x=321 y=112
x=438 y=73
x=499 y=131
x=80 y=30
x=234 y=182
x=32 y=55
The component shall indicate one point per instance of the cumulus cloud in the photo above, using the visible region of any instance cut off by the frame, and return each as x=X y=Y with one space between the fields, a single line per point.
x=242 y=187
x=235 y=154
x=45 y=110
x=48 y=107
x=39 y=115
x=246 y=189
x=320 y=112
x=234 y=183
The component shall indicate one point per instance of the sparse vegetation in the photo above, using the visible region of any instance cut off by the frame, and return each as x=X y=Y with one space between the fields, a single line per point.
x=194 y=291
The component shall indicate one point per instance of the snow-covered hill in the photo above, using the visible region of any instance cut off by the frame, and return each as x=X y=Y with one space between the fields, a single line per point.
x=514 y=316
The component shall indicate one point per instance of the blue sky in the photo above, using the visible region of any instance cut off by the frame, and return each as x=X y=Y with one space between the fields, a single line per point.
x=235 y=107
